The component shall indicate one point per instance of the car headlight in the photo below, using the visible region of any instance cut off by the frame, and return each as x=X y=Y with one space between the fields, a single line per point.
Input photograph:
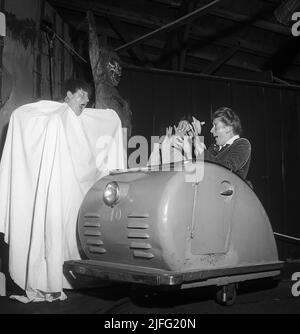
x=111 y=193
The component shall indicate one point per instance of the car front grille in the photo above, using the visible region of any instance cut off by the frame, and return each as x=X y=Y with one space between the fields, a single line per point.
x=92 y=230
x=137 y=228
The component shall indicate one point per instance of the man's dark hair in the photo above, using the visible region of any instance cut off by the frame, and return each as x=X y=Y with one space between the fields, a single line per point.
x=229 y=118
x=73 y=85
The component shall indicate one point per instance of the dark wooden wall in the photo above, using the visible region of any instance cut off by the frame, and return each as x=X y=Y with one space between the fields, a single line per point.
x=270 y=119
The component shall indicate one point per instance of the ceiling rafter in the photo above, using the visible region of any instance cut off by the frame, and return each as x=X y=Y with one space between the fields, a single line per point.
x=154 y=22
x=136 y=52
x=199 y=36
x=176 y=40
x=136 y=25
x=150 y=23
x=172 y=25
x=222 y=59
x=262 y=24
x=185 y=31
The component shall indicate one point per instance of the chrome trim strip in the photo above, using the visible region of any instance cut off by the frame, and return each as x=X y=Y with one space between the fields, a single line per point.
x=153 y=277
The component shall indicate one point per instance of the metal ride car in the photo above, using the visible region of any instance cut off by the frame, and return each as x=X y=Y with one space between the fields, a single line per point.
x=154 y=228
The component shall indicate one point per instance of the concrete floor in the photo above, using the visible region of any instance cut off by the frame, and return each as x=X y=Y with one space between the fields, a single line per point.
x=256 y=297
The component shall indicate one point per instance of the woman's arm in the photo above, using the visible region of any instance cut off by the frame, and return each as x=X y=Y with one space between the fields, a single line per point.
x=234 y=157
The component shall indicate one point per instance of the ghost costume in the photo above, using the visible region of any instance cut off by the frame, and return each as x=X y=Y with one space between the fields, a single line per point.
x=50 y=160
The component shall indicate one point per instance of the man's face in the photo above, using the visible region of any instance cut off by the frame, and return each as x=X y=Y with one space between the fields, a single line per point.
x=77 y=101
x=221 y=132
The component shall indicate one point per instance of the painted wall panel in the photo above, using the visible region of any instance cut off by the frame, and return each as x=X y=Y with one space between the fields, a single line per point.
x=26 y=58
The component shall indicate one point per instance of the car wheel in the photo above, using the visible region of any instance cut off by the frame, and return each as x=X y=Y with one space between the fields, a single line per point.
x=226 y=295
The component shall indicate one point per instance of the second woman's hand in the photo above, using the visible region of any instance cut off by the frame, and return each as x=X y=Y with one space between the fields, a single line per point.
x=199 y=146
x=197 y=126
x=169 y=131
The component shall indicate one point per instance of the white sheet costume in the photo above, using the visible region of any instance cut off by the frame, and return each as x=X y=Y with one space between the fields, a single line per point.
x=50 y=160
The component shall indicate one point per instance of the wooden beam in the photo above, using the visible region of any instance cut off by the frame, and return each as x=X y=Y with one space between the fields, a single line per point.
x=211 y=68
x=225 y=56
x=170 y=26
x=136 y=52
x=190 y=6
x=172 y=46
x=262 y=24
x=285 y=10
x=198 y=61
x=236 y=17
x=100 y=9
x=151 y=21
x=152 y=49
x=169 y=52
x=2 y=6
x=281 y=81
x=38 y=47
x=176 y=41
x=199 y=35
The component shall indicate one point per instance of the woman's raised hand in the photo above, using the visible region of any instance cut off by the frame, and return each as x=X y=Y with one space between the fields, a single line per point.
x=169 y=131
x=197 y=126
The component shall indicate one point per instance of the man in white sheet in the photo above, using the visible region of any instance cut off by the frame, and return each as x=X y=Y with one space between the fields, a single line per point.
x=54 y=152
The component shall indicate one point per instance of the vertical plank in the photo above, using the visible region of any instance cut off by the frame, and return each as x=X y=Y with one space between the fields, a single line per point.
x=62 y=59
x=38 y=51
x=2 y=6
x=55 y=58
